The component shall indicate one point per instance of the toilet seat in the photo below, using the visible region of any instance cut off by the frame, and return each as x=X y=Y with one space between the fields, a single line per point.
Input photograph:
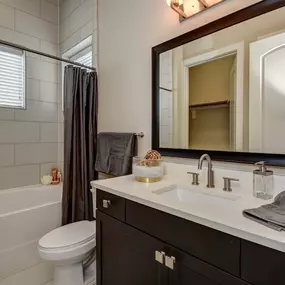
x=67 y=236
x=68 y=242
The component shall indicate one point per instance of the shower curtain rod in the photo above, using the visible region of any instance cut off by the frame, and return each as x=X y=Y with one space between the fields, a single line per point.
x=45 y=54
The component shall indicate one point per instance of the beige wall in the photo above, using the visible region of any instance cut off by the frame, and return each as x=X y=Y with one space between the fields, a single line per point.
x=210 y=82
x=209 y=128
x=127 y=31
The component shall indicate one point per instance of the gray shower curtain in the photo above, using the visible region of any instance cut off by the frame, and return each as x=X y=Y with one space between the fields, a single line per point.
x=80 y=133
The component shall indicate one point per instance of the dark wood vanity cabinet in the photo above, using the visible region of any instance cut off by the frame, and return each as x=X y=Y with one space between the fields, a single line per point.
x=125 y=256
x=261 y=265
x=130 y=239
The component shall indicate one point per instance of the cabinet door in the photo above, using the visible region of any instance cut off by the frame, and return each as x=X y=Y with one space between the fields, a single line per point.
x=261 y=265
x=126 y=256
x=190 y=270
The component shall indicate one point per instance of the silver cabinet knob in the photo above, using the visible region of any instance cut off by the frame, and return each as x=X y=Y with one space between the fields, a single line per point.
x=159 y=256
x=227 y=183
x=106 y=204
x=170 y=262
x=195 y=178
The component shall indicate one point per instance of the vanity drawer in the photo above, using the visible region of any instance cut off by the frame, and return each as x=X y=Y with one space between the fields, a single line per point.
x=111 y=204
x=217 y=248
x=262 y=265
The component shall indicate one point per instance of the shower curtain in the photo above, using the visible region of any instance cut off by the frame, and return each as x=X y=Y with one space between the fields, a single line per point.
x=80 y=133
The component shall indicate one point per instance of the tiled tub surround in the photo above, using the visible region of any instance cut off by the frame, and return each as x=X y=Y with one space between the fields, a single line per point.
x=29 y=139
x=78 y=20
x=26 y=214
x=225 y=216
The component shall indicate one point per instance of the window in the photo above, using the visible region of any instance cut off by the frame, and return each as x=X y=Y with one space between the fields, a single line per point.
x=86 y=59
x=81 y=53
x=12 y=77
x=83 y=57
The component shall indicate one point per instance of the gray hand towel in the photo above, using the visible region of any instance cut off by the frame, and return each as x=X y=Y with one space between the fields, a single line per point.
x=270 y=215
x=115 y=152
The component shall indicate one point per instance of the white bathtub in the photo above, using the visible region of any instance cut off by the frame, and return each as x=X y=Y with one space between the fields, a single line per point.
x=26 y=214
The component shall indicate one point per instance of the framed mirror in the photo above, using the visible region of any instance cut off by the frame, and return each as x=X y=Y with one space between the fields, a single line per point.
x=220 y=89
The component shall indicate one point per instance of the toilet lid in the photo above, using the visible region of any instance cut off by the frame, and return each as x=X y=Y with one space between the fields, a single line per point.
x=70 y=235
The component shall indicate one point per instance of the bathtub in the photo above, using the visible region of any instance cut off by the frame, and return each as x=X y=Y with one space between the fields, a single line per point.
x=26 y=214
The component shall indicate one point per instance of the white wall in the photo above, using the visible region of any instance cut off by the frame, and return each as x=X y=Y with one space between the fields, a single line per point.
x=29 y=138
x=127 y=31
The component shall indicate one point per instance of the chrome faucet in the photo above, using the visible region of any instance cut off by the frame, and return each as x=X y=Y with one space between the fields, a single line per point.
x=210 y=183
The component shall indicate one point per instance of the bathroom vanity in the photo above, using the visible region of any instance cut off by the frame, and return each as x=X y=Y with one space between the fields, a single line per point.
x=146 y=235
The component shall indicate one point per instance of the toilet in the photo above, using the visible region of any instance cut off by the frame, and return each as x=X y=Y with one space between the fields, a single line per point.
x=71 y=249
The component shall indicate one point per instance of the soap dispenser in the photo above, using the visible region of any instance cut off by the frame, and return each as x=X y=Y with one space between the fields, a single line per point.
x=262 y=182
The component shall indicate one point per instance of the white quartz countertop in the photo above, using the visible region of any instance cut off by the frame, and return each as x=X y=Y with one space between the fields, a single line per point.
x=226 y=216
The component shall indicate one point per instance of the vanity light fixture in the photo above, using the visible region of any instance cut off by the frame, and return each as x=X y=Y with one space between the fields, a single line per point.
x=188 y=8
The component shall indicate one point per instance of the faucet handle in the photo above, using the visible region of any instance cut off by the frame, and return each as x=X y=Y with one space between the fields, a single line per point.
x=227 y=183
x=195 y=177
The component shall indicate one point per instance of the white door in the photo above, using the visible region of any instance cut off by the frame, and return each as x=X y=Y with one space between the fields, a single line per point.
x=267 y=95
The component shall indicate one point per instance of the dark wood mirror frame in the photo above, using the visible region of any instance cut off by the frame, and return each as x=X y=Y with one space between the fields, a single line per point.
x=220 y=24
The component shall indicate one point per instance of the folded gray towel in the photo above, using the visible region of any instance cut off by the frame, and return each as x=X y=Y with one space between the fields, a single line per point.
x=270 y=215
x=115 y=152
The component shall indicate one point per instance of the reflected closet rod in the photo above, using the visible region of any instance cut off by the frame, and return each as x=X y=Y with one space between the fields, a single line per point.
x=45 y=54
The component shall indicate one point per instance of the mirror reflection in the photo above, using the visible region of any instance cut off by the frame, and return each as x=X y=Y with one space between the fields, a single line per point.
x=226 y=91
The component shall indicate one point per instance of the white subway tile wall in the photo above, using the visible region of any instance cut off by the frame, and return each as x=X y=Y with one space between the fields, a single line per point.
x=33 y=89
x=29 y=139
x=7 y=155
x=49 y=12
x=49 y=132
x=49 y=92
x=27 y=136
x=34 y=26
x=6 y=114
x=6 y=16
x=16 y=176
x=33 y=153
x=78 y=20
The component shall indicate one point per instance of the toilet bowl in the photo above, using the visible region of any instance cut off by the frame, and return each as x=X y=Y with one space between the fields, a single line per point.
x=69 y=248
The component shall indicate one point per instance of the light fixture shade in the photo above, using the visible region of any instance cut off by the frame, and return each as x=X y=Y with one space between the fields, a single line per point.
x=188 y=8
x=213 y=2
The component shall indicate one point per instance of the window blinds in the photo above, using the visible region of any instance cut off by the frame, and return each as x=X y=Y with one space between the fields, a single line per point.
x=12 y=77
x=86 y=59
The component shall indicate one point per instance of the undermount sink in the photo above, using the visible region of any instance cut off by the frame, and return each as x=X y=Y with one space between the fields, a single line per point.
x=195 y=195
